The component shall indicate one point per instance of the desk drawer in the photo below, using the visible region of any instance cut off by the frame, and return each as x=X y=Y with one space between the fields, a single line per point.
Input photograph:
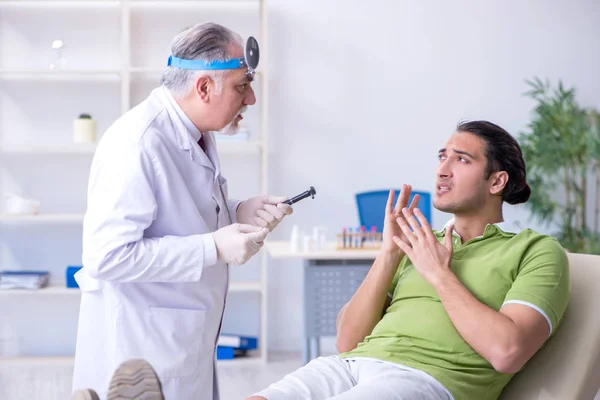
x=328 y=286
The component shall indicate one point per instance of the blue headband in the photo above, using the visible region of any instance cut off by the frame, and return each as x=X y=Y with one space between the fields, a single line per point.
x=206 y=65
x=250 y=61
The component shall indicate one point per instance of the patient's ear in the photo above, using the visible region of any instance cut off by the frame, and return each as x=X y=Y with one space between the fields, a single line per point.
x=498 y=181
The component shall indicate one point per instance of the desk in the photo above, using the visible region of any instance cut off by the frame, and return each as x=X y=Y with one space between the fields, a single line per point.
x=330 y=279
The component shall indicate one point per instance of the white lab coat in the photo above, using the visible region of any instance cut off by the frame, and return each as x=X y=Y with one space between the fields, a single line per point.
x=151 y=284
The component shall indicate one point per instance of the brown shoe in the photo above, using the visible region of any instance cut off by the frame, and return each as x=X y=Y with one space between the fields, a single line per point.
x=84 y=394
x=134 y=380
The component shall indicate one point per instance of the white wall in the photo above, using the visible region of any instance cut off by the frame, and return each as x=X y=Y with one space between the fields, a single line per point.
x=385 y=82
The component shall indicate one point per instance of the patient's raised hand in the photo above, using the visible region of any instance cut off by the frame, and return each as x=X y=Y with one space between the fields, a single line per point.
x=390 y=225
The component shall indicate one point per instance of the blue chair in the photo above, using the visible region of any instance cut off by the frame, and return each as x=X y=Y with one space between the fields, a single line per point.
x=371 y=207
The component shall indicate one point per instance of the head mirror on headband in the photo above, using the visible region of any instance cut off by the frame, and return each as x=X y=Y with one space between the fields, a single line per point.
x=250 y=61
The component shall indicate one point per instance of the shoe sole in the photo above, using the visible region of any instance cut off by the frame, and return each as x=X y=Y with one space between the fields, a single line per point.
x=85 y=394
x=135 y=380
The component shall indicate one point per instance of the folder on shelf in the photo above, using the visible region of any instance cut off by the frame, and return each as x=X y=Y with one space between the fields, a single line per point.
x=24 y=279
x=229 y=353
x=70 y=275
x=238 y=341
x=230 y=346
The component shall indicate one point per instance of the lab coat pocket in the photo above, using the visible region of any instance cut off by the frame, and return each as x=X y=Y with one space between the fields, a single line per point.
x=174 y=340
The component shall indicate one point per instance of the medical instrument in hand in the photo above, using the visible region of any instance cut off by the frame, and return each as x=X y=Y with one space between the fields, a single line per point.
x=309 y=193
x=249 y=61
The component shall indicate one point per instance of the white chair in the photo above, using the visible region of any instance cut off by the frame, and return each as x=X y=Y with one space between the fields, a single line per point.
x=567 y=367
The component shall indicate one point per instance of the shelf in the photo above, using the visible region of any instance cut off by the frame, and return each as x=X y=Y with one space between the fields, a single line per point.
x=37 y=361
x=42 y=219
x=60 y=75
x=237 y=287
x=49 y=149
x=226 y=146
x=59 y=3
x=245 y=286
x=187 y=4
x=253 y=357
x=47 y=291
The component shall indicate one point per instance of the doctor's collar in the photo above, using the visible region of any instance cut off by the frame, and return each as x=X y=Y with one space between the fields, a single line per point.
x=249 y=61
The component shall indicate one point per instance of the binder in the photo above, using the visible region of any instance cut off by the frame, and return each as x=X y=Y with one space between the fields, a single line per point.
x=229 y=353
x=230 y=346
x=24 y=279
x=238 y=341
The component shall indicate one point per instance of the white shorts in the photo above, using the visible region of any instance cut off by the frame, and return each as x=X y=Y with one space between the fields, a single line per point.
x=356 y=378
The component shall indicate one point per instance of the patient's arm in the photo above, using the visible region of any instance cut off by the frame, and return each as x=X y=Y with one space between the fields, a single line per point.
x=532 y=309
x=359 y=316
x=507 y=339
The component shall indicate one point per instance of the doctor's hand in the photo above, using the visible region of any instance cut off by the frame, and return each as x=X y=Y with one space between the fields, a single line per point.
x=264 y=211
x=237 y=243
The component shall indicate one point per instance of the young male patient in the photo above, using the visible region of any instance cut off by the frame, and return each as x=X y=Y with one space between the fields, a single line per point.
x=448 y=314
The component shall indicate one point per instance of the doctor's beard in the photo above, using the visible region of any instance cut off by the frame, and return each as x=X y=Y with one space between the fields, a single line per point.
x=232 y=128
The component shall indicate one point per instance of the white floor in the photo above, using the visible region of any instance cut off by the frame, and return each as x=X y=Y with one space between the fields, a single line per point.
x=52 y=381
x=42 y=381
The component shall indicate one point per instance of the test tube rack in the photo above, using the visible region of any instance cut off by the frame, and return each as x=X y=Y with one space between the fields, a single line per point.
x=359 y=241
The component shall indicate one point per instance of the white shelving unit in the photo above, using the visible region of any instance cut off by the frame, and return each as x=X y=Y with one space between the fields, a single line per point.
x=53 y=290
x=225 y=148
x=113 y=56
x=41 y=219
x=47 y=291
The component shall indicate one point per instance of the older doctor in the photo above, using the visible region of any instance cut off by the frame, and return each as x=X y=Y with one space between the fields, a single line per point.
x=160 y=231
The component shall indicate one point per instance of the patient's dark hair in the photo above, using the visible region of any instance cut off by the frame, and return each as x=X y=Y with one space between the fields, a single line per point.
x=503 y=154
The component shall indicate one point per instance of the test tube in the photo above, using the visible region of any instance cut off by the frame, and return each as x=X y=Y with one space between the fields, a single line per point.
x=373 y=241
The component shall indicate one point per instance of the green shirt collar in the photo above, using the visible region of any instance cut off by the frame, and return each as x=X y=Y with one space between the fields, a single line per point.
x=502 y=228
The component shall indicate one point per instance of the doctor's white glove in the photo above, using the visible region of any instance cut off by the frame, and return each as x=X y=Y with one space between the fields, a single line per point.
x=263 y=210
x=237 y=243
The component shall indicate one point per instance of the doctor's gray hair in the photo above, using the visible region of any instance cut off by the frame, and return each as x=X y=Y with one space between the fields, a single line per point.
x=206 y=41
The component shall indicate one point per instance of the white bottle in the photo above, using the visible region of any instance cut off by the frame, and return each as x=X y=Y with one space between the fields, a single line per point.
x=84 y=129
x=306 y=243
x=322 y=241
x=295 y=239
x=315 y=238
x=319 y=238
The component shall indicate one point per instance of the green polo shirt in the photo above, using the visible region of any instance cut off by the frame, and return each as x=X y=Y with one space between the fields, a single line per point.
x=498 y=268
